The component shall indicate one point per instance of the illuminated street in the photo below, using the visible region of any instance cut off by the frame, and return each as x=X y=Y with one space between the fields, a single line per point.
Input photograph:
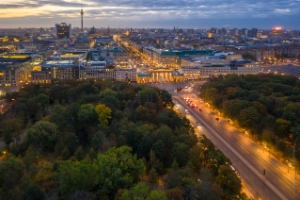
x=248 y=158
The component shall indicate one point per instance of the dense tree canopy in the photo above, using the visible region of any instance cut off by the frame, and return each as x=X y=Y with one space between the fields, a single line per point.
x=108 y=140
x=260 y=104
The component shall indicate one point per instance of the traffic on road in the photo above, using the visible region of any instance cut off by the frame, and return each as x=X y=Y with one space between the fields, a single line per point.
x=265 y=176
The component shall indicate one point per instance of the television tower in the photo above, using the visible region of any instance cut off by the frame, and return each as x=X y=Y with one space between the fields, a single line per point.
x=81 y=13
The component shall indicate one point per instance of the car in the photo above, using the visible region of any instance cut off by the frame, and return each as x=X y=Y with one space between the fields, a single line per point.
x=233 y=169
x=179 y=88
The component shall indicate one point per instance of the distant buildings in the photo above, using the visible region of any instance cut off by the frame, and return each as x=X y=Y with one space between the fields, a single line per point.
x=169 y=55
x=232 y=64
x=276 y=31
x=63 y=30
x=16 y=68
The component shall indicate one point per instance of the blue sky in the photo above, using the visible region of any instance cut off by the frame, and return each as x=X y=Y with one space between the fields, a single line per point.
x=263 y=14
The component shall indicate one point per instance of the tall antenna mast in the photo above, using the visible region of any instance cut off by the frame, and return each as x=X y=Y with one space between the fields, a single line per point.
x=81 y=13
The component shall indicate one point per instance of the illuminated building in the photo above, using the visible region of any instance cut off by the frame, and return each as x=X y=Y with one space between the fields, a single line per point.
x=126 y=74
x=277 y=31
x=43 y=75
x=206 y=70
x=160 y=75
x=16 y=68
x=96 y=70
x=170 y=57
x=63 y=69
x=63 y=30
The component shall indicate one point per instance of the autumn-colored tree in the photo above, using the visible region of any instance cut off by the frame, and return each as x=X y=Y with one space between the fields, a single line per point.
x=104 y=113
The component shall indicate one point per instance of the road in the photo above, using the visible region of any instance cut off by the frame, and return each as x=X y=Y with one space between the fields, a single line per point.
x=248 y=158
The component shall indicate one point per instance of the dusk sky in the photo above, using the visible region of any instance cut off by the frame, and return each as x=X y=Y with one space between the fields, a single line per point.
x=262 y=14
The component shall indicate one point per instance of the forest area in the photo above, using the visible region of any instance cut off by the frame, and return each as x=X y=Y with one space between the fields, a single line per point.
x=90 y=140
x=267 y=106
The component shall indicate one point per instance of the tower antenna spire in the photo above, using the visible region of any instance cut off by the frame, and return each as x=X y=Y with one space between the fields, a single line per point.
x=81 y=13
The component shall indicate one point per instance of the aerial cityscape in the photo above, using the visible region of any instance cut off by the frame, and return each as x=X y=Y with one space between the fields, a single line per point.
x=168 y=100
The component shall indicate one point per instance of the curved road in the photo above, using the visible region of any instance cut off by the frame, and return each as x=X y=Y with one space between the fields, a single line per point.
x=247 y=157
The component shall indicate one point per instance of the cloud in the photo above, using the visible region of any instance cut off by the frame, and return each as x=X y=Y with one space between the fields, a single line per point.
x=145 y=10
x=282 y=10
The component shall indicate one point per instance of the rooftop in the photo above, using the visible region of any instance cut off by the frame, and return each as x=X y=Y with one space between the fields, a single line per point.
x=59 y=63
x=176 y=73
x=181 y=52
x=142 y=74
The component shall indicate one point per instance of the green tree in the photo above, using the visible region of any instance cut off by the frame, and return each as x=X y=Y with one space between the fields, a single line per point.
x=250 y=118
x=111 y=101
x=153 y=176
x=43 y=135
x=194 y=158
x=157 y=195
x=104 y=113
x=174 y=194
x=79 y=154
x=87 y=114
x=80 y=175
x=229 y=182
x=97 y=140
x=209 y=191
x=108 y=92
x=139 y=192
x=147 y=95
x=57 y=116
x=92 y=154
x=282 y=127
x=65 y=154
x=170 y=118
x=72 y=143
x=11 y=130
x=43 y=100
x=166 y=98
x=143 y=114
x=296 y=133
x=180 y=153
x=210 y=94
x=118 y=168
x=34 y=192
x=11 y=175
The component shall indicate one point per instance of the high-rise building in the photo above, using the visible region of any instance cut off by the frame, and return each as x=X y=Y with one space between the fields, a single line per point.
x=214 y=30
x=252 y=32
x=81 y=13
x=277 y=31
x=243 y=31
x=63 y=30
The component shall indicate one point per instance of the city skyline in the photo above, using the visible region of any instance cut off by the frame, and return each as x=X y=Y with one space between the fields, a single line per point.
x=152 y=14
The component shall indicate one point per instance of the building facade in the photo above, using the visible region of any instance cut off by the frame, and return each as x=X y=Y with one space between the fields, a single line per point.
x=126 y=74
x=160 y=76
x=212 y=70
x=63 y=30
